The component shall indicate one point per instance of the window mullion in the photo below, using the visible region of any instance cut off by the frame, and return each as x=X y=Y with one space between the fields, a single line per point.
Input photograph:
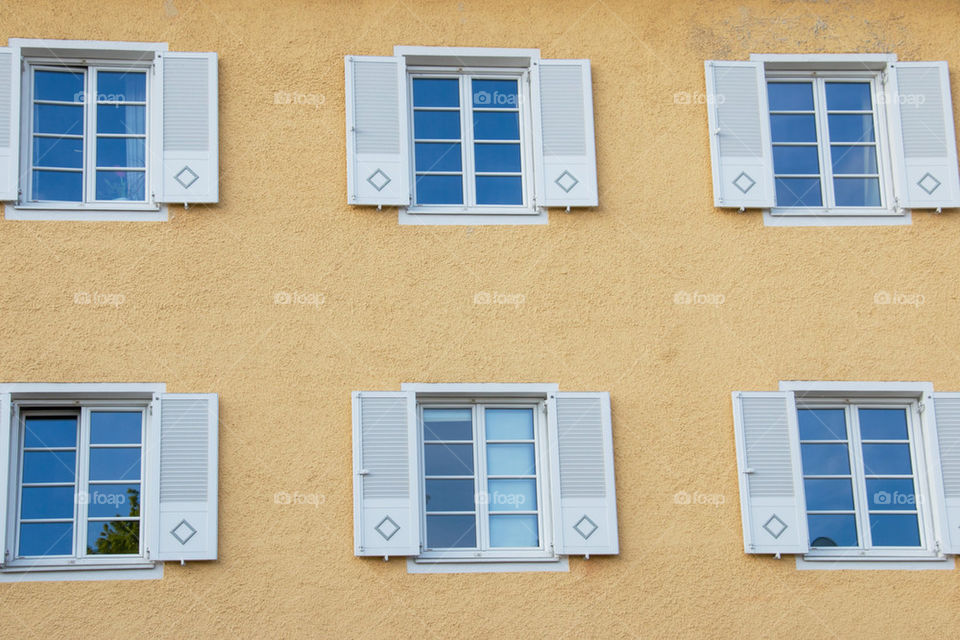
x=466 y=134
x=82 y=484
x=823 y=138
x=481 y=498
x=861 y=501
x=90 y=135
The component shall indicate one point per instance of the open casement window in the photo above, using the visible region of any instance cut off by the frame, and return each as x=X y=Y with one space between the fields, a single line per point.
x=832 y=135
x=849 y=471
x=495 y=134
x=483 y=473
x=105 y=130
x=106 y=476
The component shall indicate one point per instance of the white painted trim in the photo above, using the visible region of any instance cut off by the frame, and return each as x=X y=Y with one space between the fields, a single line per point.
x=11 y=212
x=824 y=61
x=467 y=56
x=842 y=387
x=478 y=388
x=154 y=572
x=93 y=45
x=822 y=220
x=147 y=389
x=420 y=566
x=472 y=220
x=832 y=564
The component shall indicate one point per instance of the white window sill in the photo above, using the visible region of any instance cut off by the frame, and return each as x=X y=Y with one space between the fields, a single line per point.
x=415 y=217
x=145 y=571
x=11 y=212
x=778 y=219
x=420 y=565
x=808 y=563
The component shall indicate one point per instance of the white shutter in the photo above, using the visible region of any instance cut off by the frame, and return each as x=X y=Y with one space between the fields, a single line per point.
x=184 y=491
x=386 y=503
x=378 y=163
x=581 y=465
x=6 y=433
x=9 y=123
x=925 y=145
x=772 y=502
x=945 y=476
x=740 y=150
x=190 y=142
x=566 y=171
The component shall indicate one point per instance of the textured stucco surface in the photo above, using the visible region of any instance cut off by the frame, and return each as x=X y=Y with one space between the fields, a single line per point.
x=599 y=313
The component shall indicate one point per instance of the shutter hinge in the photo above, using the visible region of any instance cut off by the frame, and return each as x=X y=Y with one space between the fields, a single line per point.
x=937 y=547
x=921 y=406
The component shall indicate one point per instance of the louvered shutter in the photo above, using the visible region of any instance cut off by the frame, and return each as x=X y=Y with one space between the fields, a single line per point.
x=6 y=433
x=385 y=474
x=9 y=123
x=925 y=143
x=185 y=486
x=190 y=142
x=567 y=159
x=945 y=477
x=772 y=503
x=378 y=166
x=581 y=466
x=740 y=150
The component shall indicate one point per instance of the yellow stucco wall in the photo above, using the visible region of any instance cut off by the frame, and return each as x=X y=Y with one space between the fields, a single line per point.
x=599 y=314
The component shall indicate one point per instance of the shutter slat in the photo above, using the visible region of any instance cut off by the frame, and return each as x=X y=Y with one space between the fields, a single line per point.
x=946 y=475
x=9 y=123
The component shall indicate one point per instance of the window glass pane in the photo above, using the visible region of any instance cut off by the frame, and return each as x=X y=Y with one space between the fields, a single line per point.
x=113 y=500
x=121 y=152
x=436 y=125
x=832 y=530
x=115 y=427
x=46 y=502
x=450 y=495
x=894 y=530
x=437 y=156
x=445 y=532
x=439 y=190
x=115 y=464
x=496 y=125
x=828 y=494
x=49 y=466
x=58 y=186
x=509 y=424
x=514 y=531
x=497 y=157
x=825 y=459
x=857 y=192
x=448 y=459
x=796 y=160
x=883 y=459
x=436 y=92
x=790 y=96
x=66 y=153
x=46 y=539
x=113 y=538
x=793 y=128
x=499 y=190
x=121 y=185
x=50 y=432
x=121 y=119
x=512 y=495
x=498 y=94
x=886 y=494
x=822 y=424
x=847 y=159
x=58 y=118
x=447 y=424
x=511 y=460
x=62 y=86
x=883 y=424
x=121 y=86
x=848 y=96
x=850 y=127
x=798 y=192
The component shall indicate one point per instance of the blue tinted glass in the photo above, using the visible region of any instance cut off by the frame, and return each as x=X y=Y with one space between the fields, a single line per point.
x=447 y=424
x=514 y=531
x=850 y=128
x=113 y=538
x=121 y=86
x=847 y=159
x=50 y=432
x=828 y=494
x=832 y=530
x=798 y=192
x=58 y=186
x=894 y=530
x=437 y=156
x=121 y=152
x=499 y=190
x=822 y=424
x=793 y=160
x=58 y=152
x=848 y=96
x=883 y=459
x=113 y=500
x=121 y=185
x=439 y=190
x=509 y=424
x=511 y=460
x=115 y=464
x=49 y=466
x=496 y=125
x=62 y=86
x=450 y=495
x=115 y=427
x=121 y=119
x=447 y=532
x=46 y=539
x=436 y=92
x=857 y=192
x=448 y=459
x=512 y=495
x=790 y=96
x=825 y=459
x=886 y=494
x=883 y=424
x=46 y=502
x=436 y=125
x=793 y=128
x=57 y=118
x=497 y=94
x=497 y=157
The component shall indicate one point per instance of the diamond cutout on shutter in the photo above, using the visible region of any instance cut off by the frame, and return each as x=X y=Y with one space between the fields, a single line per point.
x=928 y=183
x=183 y=532
x=387 y=525
x=186 y=177
x=744 y=182
x=775 y=526
x=585 y=527
x=379 y=179
x=566 y=181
